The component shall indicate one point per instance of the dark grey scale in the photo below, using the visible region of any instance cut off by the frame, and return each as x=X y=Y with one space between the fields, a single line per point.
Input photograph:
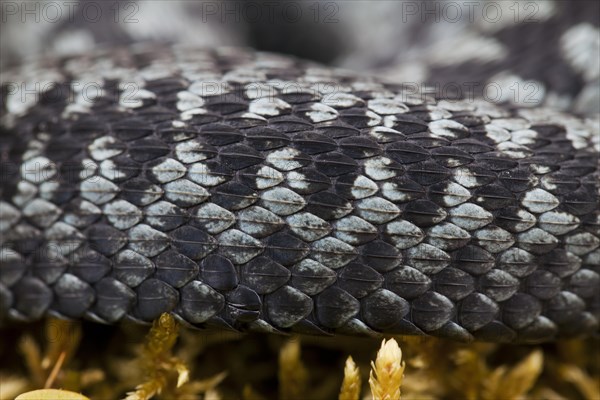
x=476 y=311
x=380 y=256
x=356 y=117
x=200 y=302
x=453 y=331
x=580 y=202
x=309 y=326
x=289 y=124
x=480 y=173
x=105 y=239
x=424 y=213
x=565 y=308
x=234 y=196
x=140 y=192
x=171 y=134
x=143 y=150
x=451 y=157
x=431 y=311
x=165 y=86
x=496 y=161
x=591 y=223
x=25 y=238
x=72 y=296
x=258 y=222
x=132 y=268
x=12 y=266
x=220 y=134
x=328 y=206
x=62 y=195
x=409 y=125
x=156 y=115
x=520 y=310
x=249 y=176
x=214 y=170
x=225 y=104
x=335 y=307
x=383 y=310
x=407 y=282
x=6 y=301
x=244 y=121
x=560 y=262
x=174 y=268
x=264 y=276
x=124 y=169
x=48 y=264
x=71 y=171
x=192 y=242
x=239 y=156
x=243 y=305
x=164 y=216
x=555 y=153
x=336 y=164
x=264 y=138
x=539 y=162
x=132 y=129
x=498 y=285
x=453 y=283
x=579 y=167
x=472 y=146
x=469 y=120
x=312 y=142
x=359 y=147
x=62 y=148
x=313 y=182
x=88 y=127
x=427 y=173
x=311 y=277
x=517 y=262
x=540 y=330
x=407 y=152
x=410 y=190
x=494 y=197
x=496 y=331
x=543 y=284
x=299 y=97
x=218 y=272
x=558 y=183
x=511 y=219
x=32 y=297
x=199 y=120
x=359 y=279
x=286 y=249
x=287 y=306
x=427 y=259
x=154 y=297
x=88 y=264
x=337 y=129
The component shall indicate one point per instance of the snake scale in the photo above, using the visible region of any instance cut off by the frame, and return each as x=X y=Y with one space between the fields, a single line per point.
x=250 y=191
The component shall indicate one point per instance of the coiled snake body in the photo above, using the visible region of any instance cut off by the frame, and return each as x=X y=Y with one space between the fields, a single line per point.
x=256 y=192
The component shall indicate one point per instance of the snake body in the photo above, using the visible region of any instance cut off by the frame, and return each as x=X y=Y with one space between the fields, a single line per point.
x=256 y=192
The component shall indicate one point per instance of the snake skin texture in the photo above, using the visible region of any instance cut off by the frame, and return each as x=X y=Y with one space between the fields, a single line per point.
x=256 y=192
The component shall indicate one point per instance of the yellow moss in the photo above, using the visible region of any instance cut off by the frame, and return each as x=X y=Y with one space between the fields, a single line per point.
x=156 y=360
x=51 y=394
x=350 y=389
x=387 y=372
x=513 y=383
x=292 y=373
x=587 y=386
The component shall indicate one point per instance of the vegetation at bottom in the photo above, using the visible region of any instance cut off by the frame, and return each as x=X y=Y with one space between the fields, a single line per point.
x=78 y=360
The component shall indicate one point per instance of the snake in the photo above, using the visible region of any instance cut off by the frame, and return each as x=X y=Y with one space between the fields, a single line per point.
x=257 y=192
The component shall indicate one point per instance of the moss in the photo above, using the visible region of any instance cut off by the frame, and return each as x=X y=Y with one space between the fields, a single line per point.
x=103 y=362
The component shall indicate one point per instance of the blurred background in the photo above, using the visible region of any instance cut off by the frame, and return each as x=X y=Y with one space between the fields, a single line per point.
x=552 y=44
